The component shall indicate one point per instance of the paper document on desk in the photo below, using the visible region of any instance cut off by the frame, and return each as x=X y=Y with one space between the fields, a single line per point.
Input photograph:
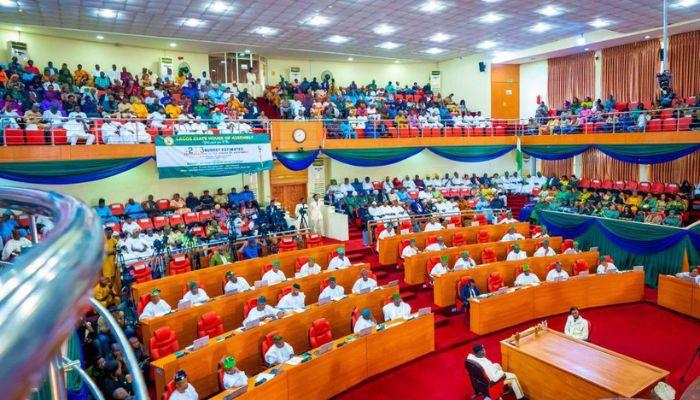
x=296 y=360
x=263 y=376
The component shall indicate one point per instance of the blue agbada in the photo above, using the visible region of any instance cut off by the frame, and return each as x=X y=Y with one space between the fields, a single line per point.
x=251 y=251
x=135 y=211
x=105 y=214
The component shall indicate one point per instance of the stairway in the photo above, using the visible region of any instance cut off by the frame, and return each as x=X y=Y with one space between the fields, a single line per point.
x=265 y=106
x=516 y=202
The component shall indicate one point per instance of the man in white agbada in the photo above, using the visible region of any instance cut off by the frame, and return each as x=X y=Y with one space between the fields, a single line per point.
x=15 y=245
x=310 y=268
x=526 y=277
x=433 y=225
x=693 y=275
x=410 y=250
x=494 y=371
x=156 y=307
x=134 y=131
x=76 y=129
x=508 y=219
x=157 y=118
x=512 y=235
x=385 y=233
x=233 y=377
x=198 y=126
x=464 y=262
x=234 y=282
x=262 y=311
x=183 y=389
x=196 y=295
x=129 y=226
x=110 y=131
x=605 y=267
x=545 y=250
x=576 y=326
x=408 y=183
x=339 y=261
x=137 y=246
x=542 y=234
x=440 y=267
x=366 y=320
x=364 y=282
x=396 y=308
x=332 y=291
x=275 y=275
x=279 y=352
x=292 y=300
x=557 y=273
x=315 y=214
x=437 y=246
x=516 y=253
x=573 y=249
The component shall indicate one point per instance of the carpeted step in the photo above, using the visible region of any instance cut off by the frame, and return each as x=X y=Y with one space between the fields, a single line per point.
x=407 y=295
x=381 y=275
x=441 y=320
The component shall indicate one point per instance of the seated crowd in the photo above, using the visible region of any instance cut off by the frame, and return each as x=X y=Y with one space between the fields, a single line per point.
x=131 y=104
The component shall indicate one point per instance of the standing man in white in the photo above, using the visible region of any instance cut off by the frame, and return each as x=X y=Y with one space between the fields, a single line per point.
x=315 y=215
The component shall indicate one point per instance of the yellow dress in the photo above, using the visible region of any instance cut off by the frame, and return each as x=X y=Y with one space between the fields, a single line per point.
x=140 y=110
x=105 y=295
x=109 y=263
x=173 y=111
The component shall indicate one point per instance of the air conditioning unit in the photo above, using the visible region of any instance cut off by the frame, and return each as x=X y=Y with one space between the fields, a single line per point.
x=165 y=64
x=294 y=73
x=19 y=50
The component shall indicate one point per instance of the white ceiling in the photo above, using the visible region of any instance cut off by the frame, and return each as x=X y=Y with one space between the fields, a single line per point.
x=233 y=28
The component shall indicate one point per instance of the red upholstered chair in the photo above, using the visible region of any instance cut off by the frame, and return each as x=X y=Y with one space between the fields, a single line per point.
x=430 y=240
x=672 y=188
x=210 y=324
x=191 y=218
x=117 y=209
x=287 y=244
x=314 y=240
x=323 y=285
x=458 y=239
x=265 y=268
x=116 y=228
x=267 y=343
x=163 y=342
x=186 y=287
x=176 y=220
x=480 y=382
x=169 y=389
x=141 y=272
x=143 y=301
x=495 y=281
x=249 y=305
x=320 y=333
x=179 y=265
x=631 y=185
x=684 y=123
x=609 y=259
x=567 y=244
x=483 y=236
x=607 y=184
x=654 y=125
x=301 y=260
x=444 y=192
x=657 y=188
x=413 y=194
x=204 y=215
x=584 y=183
x=596 y=184
x=463 y=281
x=220 y=375
x=379 y=230
x=619 y=185
x=159 y=222
x=405 y=224
x=14 y=136
x=454 y=193
x=488 y=255
x=535 y=229
x=644 y=186
x=163 y=204
x=551 y=266
x=580 y=265
x=285 y=291
x=402 y=245
x=354 y=317
x=35 y=136
x=518 y=270
x=670 y=124
x=199 y=231
x=334 y=253
x=456 y=220
x=481 y=219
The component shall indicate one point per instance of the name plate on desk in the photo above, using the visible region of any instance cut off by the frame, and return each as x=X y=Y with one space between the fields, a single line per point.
x=251 y=324
x=325 y=348
x=583 y=273
x=638 y=268
x=393 y=283
x=260 y=284
x=199 y=343
x=231 y=291
x=236 y=393
x=502 y=290
x=475 y=223
x=404 y=231
x=364 y=332
x=423 y=311
x=184 y=304
x=365 y=290
x=450 y=226
x=324 y=300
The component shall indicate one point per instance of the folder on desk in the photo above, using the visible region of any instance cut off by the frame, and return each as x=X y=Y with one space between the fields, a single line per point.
x=184 y=304
x=364 y=332
x=423 y=311
x=259 y=284
x=325 y=348
x=324 y=300
x=251 y=324
x=200 y=342
x=236 y=393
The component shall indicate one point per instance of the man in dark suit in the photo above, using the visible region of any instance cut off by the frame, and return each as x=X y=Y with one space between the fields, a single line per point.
x=467 y=291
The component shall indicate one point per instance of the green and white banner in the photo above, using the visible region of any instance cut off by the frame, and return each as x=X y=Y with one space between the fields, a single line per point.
x=185 y=156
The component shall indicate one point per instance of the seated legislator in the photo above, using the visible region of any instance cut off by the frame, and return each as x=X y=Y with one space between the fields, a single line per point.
x=388 y=231
x=251 y=249
x=526 y=277
x=156 y=307
x=364 y=282
x=310 y=268
x=605 y=267
x=512 y=235
x=467 y=291
x=433 y=225
x=235 y=283
x=183 y=389
x=437 y=246
x=557 y=274
x=332 y=291
x=516 y=253
x=464 y=262
x=195 y=295
x=508 y=219
x=292 y=300
x=233 y=377
x=275 y=275
x=576 y=326
x=217 y=258
x=440 y=268
x=279 y=352
x=574 y=249
x=494 y=371
x=339 y=261
x=542 y=234
x=693 y=275
x=366 y=320
x=410 y=250
x=396 y=308
x=544 y=250
x=262 y=311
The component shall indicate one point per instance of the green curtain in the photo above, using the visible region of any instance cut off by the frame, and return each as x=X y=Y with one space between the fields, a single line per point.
x=73 y=381
x=645 y=150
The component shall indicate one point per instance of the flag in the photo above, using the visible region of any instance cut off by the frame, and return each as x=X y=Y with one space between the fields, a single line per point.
x=519 y=158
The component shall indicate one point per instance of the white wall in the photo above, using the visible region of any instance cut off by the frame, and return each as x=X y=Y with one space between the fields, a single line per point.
x=533 y=82
x=425 y=162
x=361 y=73
x=461 y=76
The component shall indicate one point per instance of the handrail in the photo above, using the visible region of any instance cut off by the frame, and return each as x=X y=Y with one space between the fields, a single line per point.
x=46 y=288
x=70 y=365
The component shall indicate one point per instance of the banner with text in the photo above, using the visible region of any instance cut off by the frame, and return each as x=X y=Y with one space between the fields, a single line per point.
x=212 y=155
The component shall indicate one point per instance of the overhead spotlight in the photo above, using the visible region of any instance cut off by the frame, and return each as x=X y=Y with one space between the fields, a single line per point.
x=550 y=11
x=599 y=23
x=440 y=37
x=219 y=6
x=487 y=44
x=434 y=50
x=384 y=29
x=8 y=3
x=337 y=39
x=99 y=37
x=173 y=44
x=107 y=13
x=317 y=20
x=540 y=27
x=350 y=59
x=389 y=45
x=192 y=22
x=265 y=31
x=432 y=6
x=491 y=18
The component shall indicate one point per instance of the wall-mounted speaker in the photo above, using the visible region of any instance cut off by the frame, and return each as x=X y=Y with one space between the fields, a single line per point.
x=482 y=66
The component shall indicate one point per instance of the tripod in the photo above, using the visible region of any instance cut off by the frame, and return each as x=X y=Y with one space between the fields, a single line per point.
x=302 y=218
x=690 y=364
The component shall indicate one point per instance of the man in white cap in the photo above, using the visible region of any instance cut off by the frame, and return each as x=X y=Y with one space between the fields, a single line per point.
x=339 y=261
x=110 y=131
x=233 y=377
x=279 y=352
x=195 y=295
x=437 y=246
x=526 y=277
x=576 y=326
x=199 y=127
x=440 y=268
x=396 y=308
x=76 y=129
x=508 y=219
x=235 y=283
x=365 y=321
x=183 y=389
x=512 y=235
x=262 y=311
x=516 y=253
x=134 y=131
x=433 y=225
x=410 y=250
x=385 y=233
x=156 y=307
x=464 y=262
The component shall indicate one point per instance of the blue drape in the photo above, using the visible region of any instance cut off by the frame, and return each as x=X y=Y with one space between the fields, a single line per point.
x=67 y=172
x=372 y=157
x=297 y=161
x=471 y=153
x=554 y=152
x=648 y=154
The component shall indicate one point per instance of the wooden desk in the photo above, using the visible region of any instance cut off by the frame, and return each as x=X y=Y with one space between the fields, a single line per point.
x=415 y=266
x=501 y=311
x=329 y=374
x=230 y=308
x=211 y=278
x=679 y=295
x=553 y=366
x=389 y=247
x=245 y=346
x=445 y=286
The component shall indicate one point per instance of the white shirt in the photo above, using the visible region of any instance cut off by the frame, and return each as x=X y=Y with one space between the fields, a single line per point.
x=237 y=379
x=572 y=250
x=363 y=323
x=240 y=285
x=277 y=355
x=338 y=263
x=273 y=277
x=130 y=227
x=541 y=252
x=114 y=75
x=12 y=246
x=433 y=226
x=392 y=312
x=507 y=220
x=687 y=275
x=335 y=293
x=438 y=269
x=461 y=263
x=523 y=279
x=307 y=270
x=408 y=251
x=155 y=310
x=254 y=313
x=361 y=284
x=606 y=269
x=508 y=237
x=521 y=255
x=577 y=328
x=196 y=299
x=492 y=370
x=188 y=394
x=553 y=275
x=386 y=233
x=291 y=302
x=435 y=247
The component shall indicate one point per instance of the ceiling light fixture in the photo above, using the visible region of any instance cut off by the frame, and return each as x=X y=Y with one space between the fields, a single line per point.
x=8 y=3
x=647 y=37
x=586 y=49
x=173 y=44
x=684 y=3
x=219 y=6
x=550 y=11
x=99 y=37
x=434 y=50
x=440 y=37
x=599 y=23
x=266 y=31
x=389 y=45
x=540 y=27
x=384 y=29
x=192 y=22
x=107 y=13
x=350 y=59
x=337 y=39
x=432 y=6
x=487 y=44
x=317 y=20
x=397 y=61
x=490 y=18
x=581 y=40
